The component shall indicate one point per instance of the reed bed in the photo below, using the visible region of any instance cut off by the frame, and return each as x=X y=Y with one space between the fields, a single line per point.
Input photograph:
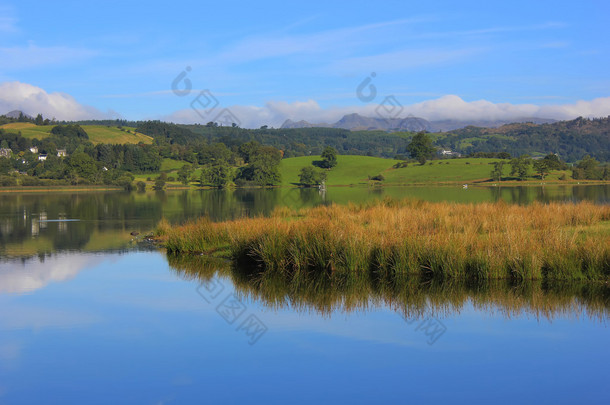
x=391 y=239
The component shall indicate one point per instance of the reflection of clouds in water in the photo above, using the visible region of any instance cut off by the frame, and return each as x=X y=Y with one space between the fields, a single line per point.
x=22 y=277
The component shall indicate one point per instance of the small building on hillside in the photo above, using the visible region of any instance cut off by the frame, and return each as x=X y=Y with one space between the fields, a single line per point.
x=448 y=152
x=42 y=157
x=61 y=153
x=5 y=152
x=34 y=149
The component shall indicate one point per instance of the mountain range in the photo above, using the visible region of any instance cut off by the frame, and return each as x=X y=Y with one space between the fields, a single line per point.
x=357 y=122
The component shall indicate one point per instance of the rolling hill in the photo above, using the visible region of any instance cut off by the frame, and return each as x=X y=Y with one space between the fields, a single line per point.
x=354 y=170
x=97 y=133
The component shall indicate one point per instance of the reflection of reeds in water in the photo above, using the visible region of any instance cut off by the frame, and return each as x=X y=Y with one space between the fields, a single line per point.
x=395 y=239
x=412 y=297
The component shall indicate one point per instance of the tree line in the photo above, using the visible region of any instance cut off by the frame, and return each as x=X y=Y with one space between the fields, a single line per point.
x=248 y=163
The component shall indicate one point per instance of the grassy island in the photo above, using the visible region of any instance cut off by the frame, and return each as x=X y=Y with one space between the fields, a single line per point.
x=411 y=237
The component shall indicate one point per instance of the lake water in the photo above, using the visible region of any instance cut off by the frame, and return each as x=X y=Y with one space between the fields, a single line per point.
x=91 y=314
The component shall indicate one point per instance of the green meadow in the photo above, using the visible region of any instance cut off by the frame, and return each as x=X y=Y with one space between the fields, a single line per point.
x=355 y=170
x=97 y=133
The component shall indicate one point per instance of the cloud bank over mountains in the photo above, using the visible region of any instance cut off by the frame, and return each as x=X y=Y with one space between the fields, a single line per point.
x=449 y=107
x=33 y=100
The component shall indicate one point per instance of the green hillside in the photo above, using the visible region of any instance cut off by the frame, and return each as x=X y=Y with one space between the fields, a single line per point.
x=349 y=170
x=357 y=169
x=97 y=133
x=449 y=170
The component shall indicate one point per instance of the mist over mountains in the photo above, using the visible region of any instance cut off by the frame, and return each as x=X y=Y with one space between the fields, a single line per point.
x=357 y=122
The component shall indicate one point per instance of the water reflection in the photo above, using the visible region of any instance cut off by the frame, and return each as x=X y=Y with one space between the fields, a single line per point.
x=40 y=223
x=26 y=275
x=412 y=297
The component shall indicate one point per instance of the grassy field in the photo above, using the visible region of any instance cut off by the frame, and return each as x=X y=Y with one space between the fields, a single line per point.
x=349 y=169
x=102 y=134
x=413 y=238
x=357 y=169
x=27 y=129
x=97 y=133
x=353 y=170
x=170 y=165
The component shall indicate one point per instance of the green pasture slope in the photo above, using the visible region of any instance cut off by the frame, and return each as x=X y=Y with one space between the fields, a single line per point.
x=97 y=133
x=350 y=169
x=353 y=170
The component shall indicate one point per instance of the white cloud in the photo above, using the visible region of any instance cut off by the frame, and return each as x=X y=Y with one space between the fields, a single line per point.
x=453 y=107
x=33 y=100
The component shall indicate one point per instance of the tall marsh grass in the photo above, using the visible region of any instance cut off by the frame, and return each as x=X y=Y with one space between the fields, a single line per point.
x=391 y=238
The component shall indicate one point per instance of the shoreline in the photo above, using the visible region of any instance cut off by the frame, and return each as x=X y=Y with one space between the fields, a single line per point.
x=478 y=183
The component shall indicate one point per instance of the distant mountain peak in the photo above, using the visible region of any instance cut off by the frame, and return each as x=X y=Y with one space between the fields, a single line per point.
x=16 y=113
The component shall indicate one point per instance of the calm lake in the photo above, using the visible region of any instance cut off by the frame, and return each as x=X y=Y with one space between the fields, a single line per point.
x=90 y=313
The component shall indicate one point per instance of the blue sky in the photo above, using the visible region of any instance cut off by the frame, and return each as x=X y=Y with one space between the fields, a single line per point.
x=271 y=60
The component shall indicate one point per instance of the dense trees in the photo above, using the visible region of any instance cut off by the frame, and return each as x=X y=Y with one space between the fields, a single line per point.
x=570 y=140
x=70 y=131
x=262 y=168
x=311 y=176
x=520 y=167
x=554 y=163
x=590 y=169
x=164 y=133
x=421 y=147
x=217 y=175
x=497 y=172
x=542 y=167
x=329 y=158
x=184 y=174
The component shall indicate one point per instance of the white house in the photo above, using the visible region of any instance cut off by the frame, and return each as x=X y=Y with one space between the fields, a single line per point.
x=42 y=157
x=34 y=149
x=448 y=152
x=61 y=153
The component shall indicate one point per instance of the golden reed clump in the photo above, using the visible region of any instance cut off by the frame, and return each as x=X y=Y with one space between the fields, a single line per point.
x=477 y=241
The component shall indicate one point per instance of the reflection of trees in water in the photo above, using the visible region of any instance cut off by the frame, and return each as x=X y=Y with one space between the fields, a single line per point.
x=310 y=196
x=27 y=216
x=411 y=296
x=599 y=193
x=220 y=205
